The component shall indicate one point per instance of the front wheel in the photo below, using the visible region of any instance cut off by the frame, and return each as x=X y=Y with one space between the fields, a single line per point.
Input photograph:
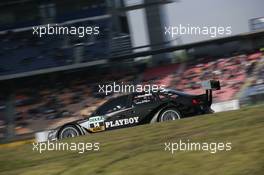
x=68 y=131
x=169 y=114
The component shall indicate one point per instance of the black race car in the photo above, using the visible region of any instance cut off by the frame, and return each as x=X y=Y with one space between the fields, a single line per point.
x=140 y=108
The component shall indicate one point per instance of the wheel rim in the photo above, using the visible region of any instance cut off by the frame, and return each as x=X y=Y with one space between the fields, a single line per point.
x=169 y=115
x=69 y=132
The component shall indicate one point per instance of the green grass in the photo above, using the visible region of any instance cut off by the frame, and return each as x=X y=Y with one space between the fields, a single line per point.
x=140 y=150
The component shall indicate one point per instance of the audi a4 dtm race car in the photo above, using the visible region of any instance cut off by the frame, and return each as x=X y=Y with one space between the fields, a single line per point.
x=140 y=108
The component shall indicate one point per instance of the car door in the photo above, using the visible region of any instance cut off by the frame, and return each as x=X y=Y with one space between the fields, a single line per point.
x=118 y=113
x=143 y=104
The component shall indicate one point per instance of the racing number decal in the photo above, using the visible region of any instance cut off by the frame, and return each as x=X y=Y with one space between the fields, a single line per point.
x=96 y=124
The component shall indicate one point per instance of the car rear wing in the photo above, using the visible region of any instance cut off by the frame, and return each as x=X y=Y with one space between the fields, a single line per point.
x=209 y=87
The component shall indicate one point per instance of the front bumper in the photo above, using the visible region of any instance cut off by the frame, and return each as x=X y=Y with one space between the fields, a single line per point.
x=49 y=135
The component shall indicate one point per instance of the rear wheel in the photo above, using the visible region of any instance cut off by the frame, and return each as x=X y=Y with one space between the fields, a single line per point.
x=169 y=114
x=68 y=131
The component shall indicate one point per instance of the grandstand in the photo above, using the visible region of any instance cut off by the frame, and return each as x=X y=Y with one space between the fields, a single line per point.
x=232 y=73
x=68 y=98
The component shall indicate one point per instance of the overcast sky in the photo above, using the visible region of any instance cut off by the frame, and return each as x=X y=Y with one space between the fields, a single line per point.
x=234 y=13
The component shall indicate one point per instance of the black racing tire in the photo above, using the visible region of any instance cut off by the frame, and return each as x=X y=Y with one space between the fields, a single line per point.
x=169 y=114
x=68 y=131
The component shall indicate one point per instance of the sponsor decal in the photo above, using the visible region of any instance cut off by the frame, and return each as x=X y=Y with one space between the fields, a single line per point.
x=121 y=122
x=141 y=99
x=96 y=119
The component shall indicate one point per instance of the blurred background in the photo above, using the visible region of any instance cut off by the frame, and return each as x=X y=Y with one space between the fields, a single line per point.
x=48 y=81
